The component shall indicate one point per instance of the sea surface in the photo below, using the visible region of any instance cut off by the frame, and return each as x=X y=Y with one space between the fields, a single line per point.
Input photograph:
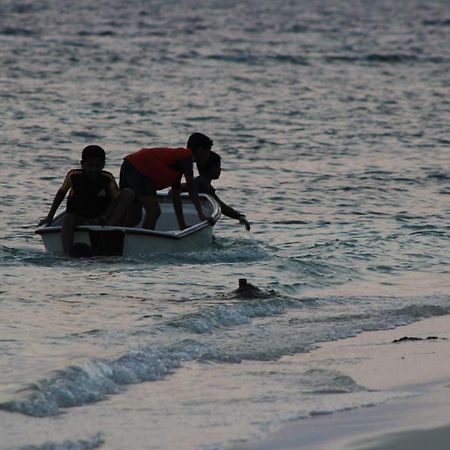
x=332 y=120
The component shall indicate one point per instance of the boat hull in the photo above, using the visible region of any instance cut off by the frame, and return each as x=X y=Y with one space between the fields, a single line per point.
x=127 y=241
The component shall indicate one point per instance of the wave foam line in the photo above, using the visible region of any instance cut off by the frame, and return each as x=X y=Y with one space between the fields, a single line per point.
x=94 y=380
x=229 y=315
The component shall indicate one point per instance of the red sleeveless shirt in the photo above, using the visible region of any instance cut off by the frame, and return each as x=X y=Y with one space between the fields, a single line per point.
x=160 y=164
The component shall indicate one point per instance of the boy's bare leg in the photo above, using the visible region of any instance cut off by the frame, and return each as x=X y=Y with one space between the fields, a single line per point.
x=134 y=214
x=120 y=206
x=67 y=229
x=153 y=210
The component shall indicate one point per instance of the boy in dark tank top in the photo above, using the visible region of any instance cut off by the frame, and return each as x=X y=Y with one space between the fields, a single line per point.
x=93 y=194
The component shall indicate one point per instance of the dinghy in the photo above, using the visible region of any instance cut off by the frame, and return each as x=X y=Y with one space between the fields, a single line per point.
x=135 y=241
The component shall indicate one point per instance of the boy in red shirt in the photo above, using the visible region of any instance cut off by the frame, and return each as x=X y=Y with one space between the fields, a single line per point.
x=151 y=169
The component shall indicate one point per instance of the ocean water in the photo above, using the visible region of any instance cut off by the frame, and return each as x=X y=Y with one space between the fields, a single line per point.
x=332 y=119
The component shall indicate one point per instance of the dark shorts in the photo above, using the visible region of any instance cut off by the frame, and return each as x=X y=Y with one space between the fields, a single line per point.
x=89 y=207
x=133 y=179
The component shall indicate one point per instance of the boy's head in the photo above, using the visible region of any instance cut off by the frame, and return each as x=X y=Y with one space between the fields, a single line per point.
x=211 y=169
x=201 y=145
x=92 y=160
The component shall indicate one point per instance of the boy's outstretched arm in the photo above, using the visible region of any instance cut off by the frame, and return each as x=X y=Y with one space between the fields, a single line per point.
x=193 y=194
x=59 y=197
x=232 y=213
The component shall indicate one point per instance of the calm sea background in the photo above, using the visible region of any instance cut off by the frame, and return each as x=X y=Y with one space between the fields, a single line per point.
x=332 y=119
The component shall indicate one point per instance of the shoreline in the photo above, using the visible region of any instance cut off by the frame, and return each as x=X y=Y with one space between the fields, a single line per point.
x=375 y=361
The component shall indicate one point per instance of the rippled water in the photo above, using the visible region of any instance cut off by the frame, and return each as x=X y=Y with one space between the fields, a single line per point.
x=332 y=121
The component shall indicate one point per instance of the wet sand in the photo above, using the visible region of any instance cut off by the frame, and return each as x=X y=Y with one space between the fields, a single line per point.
x=419 y=366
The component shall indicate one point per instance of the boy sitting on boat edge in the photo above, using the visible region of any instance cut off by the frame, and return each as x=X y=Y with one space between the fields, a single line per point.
x=93 y=196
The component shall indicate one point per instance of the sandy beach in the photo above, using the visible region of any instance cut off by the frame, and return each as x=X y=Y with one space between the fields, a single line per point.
x=418 y=367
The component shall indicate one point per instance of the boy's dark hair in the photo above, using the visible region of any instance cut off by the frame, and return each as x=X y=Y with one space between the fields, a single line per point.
x=213 y=161
x=92 y=151
x=197 y=140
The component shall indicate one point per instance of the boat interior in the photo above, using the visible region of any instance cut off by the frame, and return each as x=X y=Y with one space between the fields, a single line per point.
x=167 y=221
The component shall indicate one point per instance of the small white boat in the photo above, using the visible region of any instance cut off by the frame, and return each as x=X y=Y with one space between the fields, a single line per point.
x=134 y=241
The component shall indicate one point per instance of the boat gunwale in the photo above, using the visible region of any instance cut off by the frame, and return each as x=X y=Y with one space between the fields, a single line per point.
x=175 y=234
x=130 y=230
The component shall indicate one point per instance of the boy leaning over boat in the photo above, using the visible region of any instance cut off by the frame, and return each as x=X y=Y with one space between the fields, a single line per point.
x=151 y=169
x=210 y=171
x=93 y=196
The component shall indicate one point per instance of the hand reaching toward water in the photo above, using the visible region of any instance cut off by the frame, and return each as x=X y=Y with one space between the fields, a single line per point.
x=244 y=221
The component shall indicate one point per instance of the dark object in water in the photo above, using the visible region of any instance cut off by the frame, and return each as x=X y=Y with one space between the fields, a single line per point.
x=243 y=283
x=412 y=339
x=81 y=250
x=248 y=290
